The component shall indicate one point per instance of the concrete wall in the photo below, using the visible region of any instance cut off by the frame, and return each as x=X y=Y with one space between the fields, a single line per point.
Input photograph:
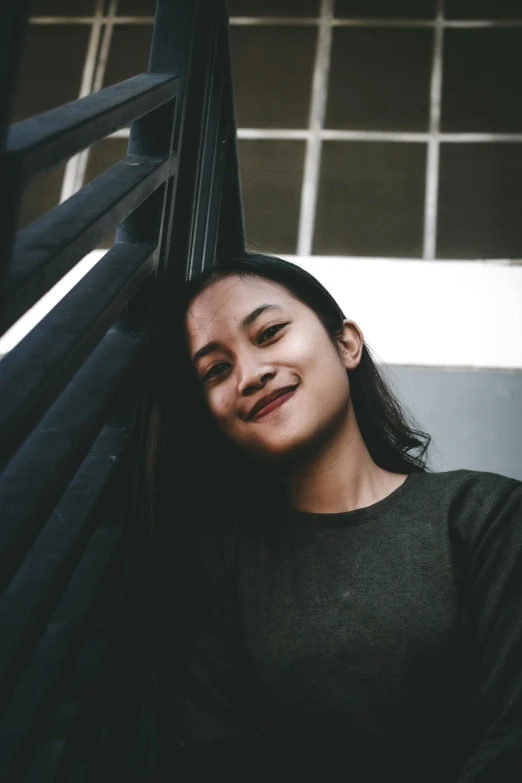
x=473 y=416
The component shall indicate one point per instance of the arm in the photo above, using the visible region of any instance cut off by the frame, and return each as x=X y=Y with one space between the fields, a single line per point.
x=495 y=584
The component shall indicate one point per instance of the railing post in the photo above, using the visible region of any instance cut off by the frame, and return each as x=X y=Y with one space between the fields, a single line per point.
x=156 y=133
x=231 y=232
x=201 y=212
x=12 y=36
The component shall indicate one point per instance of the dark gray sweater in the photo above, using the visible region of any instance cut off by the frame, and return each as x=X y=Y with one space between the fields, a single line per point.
x=379 y=644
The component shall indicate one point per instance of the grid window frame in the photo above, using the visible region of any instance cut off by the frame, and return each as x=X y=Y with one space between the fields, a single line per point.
x=105 y=18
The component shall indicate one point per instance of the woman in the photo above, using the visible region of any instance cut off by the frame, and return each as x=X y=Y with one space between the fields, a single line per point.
x=340 y=609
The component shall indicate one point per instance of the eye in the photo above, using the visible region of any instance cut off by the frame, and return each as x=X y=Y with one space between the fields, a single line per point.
x=211 y=372
x=275 y=326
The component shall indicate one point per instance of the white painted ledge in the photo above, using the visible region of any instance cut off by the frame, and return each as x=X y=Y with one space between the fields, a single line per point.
x=28 y=321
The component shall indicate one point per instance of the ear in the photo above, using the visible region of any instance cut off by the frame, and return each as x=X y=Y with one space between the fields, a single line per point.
x=351 y=343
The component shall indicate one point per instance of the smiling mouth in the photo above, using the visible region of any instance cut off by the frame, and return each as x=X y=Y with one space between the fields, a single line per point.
x=266 y=409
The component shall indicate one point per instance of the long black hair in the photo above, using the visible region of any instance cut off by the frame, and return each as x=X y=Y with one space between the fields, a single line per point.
x=215 y=476
x=194 y=470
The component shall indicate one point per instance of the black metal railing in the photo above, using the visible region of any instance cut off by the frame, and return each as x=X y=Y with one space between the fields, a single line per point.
x=75 y=393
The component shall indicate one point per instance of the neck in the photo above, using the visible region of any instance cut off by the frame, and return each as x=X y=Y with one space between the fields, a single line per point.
x=338 y=476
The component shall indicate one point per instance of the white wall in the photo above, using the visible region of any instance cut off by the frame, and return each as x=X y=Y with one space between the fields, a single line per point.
x=429 y=313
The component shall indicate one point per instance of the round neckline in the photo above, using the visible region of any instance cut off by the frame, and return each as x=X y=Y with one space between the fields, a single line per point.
x=356 y=515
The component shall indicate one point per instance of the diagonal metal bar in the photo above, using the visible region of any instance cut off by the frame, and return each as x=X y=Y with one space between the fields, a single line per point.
x=81 y=701
x=53 y=244
x=36 y=371
x=44 y=141
x=31 y=484
x=37 y=585
x=55 y=653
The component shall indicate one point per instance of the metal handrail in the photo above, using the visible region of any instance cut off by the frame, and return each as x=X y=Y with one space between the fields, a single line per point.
x=38 y=143
x=76 y=392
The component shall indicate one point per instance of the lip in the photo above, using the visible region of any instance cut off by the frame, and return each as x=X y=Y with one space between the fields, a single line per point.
x=272 y=402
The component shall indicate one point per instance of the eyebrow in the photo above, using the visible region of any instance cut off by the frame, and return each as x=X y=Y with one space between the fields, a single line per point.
x=245 y=323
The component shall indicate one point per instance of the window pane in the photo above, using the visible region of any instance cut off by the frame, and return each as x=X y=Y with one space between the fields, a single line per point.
x=481 y=83
x=405 y=9
x=43 y=82
x=380 y=79
x=371 y=199
x=273 y=7
x=62 y=7
x=271 y=174
x=483 y=9
x=137 y=7
x=41 y=195
x=129 y=52
x=480 y=201
x=272 y=75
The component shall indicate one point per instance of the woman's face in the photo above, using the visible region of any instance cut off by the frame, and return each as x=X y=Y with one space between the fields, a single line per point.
x=285 y=345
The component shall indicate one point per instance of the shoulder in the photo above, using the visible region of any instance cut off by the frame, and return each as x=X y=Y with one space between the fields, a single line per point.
x=469 y=486
x=475 y=500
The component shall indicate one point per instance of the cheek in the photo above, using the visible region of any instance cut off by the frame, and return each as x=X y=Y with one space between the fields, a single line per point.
x=220 y=401
x=327 y=376
x=302 y=352
x=311 y=355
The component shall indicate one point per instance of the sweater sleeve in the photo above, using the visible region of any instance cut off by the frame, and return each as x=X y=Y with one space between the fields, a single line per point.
x=220 y=726
x=495 y=584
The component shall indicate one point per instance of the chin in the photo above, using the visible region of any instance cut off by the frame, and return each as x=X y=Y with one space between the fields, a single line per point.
x=280 y=450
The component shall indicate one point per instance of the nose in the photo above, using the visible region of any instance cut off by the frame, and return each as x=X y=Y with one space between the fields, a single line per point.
x=254 y=377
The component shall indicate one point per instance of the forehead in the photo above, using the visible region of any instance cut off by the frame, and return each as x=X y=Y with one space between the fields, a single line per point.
x=229 y=300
